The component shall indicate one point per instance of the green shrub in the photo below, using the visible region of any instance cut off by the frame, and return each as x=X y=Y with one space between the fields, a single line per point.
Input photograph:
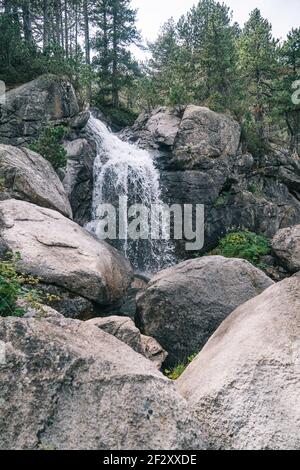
x=252 y=188
x=49 y=146
x=10 y=288
x=2 y=184
x=222 y=200
x=17 y=291
x=178 y=370
x=245 y=245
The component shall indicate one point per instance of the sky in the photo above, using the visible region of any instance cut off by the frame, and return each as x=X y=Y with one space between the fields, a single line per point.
x=283 y=14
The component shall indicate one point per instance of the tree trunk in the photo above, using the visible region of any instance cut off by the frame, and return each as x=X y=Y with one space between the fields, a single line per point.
x=57 y=26
x=115 y=88
x=27 y=26
x=293 y=123
x=46 y=33
x=105 y=41
x=66 y=30
x=86 y=32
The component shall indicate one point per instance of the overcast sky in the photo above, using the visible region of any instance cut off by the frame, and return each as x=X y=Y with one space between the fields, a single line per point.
x=283 y=14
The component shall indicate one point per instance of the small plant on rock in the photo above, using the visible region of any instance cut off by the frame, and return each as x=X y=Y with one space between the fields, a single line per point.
x=175 y=373
x=17 y=291
x=49 y=146
x=10 y=288
x=245 y=245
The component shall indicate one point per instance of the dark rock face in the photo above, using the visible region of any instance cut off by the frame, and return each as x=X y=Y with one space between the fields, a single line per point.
x=68 y=304
x=182 y=306
x=78 y=179
x=245 y=384
x=51 y=99
x=67 y=385
x=47 y=99
x=203 y=164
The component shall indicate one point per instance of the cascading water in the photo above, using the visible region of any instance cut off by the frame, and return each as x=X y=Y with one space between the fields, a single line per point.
x=123 y=170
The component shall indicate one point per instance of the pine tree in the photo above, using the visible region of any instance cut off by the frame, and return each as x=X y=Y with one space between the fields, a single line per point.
x=211 y=38
x=116 y=23
x=289 y=74
x=258 y=67
x=167 y=69
x=195 y=60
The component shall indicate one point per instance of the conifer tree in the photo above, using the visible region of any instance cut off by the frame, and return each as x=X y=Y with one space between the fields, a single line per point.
x=258 y=67
x=289 y=75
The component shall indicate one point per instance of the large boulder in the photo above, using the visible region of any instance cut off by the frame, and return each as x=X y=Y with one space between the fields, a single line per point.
x=286 y=245
x=28 y=176
x=182 y=306
x=163 y=125
x=245 y=383
x=192 y=132
x=58 y=251
x=204 y=133
x=27 y=108
x=155 y=130
x=66 y=385
x=125 y=330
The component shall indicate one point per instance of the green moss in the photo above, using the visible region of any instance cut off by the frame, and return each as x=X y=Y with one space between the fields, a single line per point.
x=253 y=188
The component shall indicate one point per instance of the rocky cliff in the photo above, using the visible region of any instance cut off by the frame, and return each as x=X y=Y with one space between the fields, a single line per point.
x=201 y=162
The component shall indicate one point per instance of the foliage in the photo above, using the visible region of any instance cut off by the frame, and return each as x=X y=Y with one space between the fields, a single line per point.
x=10 y=288
x=118 y=117
x=204 y=58
x=178 y=370
x=49 y=146
x=257 y=68
x=245 y=245
x=2 y=184
x=116 y=31
x=289 y=63
x=222 y=200
x=194 y=60
x=19 y=291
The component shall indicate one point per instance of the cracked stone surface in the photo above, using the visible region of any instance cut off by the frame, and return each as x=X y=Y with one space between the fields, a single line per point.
x=245 y=384
x=69 y=385
x=286 y=246
x=60 y=252
x=29 y=107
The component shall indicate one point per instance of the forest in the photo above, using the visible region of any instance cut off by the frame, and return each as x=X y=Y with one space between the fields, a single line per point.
x=204 y=58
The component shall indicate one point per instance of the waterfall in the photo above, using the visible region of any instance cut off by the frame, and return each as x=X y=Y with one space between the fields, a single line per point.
x=123 y=170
